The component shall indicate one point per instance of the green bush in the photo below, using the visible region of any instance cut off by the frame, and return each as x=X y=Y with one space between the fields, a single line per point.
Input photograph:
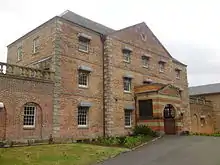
x=144 y=130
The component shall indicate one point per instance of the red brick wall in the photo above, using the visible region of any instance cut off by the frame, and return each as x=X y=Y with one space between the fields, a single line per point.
x=71 y=93
x=15 y=93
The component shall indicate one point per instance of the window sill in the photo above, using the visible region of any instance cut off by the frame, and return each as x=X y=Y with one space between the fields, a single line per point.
x=128 y=62
x=145 y=67
x=35 y=53
x=84 y=51
x=128 y=127
x=28 y=127
x=84 y=87
x=83 y=127
x=128 y=92
x=177 y=78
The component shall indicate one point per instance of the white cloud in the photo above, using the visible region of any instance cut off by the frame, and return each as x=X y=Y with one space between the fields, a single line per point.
x=188 y=28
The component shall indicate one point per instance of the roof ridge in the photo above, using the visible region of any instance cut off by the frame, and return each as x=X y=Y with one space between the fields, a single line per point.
x=205 y=85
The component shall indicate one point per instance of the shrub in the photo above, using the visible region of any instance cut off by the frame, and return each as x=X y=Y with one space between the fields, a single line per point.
x=144 y=130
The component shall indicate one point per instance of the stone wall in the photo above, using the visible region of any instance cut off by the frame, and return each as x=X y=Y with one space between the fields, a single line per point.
x=214 y=98
x=201 y=115
x=19 y=86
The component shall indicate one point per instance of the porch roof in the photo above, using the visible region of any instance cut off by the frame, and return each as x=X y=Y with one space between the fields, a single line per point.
x=153 y=87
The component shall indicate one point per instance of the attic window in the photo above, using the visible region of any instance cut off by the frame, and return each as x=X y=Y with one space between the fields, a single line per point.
x=143 y=37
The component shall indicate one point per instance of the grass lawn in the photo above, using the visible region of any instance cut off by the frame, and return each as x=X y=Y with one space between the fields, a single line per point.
x=61 y=154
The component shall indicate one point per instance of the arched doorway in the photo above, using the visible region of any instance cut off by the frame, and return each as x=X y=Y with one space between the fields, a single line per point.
x=169 y=119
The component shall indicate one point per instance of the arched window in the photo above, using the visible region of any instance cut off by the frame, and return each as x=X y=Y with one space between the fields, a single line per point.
x=29 y=113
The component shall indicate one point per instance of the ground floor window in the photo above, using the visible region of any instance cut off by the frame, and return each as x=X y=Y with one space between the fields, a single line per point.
x=145 y=109
x=128 y=116
x=29 y=116
x=83 y=116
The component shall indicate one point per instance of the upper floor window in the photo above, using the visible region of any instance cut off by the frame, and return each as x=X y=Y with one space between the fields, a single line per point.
x=83 y=78
x=36 y=45
x=29 y=116
x=19 y=54
x=84 y=41
x=177 y=71
x=127 y=56
x=161 y=66
x=145 y=61
x=84 y=72
x=127 y=84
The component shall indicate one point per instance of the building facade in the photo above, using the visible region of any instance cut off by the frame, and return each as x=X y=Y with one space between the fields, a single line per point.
x=102 y=81
x=209 y=117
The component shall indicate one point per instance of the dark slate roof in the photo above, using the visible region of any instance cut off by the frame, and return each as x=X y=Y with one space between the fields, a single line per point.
x=204 y=89
x=87 y=23
x=177 y=61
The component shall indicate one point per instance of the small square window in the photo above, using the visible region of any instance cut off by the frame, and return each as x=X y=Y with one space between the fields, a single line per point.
x=127 y=56
x=83 y=116
x=127 y=84
x=29 y=117
x=128 y=116
x=83 y=78
x=177 y=74
x=19 y=54
x=84 y=44
x=145 y=61
x=161 y=66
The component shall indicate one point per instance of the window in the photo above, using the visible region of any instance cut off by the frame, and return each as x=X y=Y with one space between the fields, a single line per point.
x=36 y=45
x=128 y=116
x=145 y=109
x=83 y=116
x=161 y=66
x=127 y=56
x=145 y=61
x=83 y=78
x=143 y=37
x=177 y=74
x=84 y=44
x=19 y=54
x=29 y=116
x=127 y=84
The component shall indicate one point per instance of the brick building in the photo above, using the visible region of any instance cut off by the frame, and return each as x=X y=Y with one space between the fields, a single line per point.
x=93 y=81
x=206 y=119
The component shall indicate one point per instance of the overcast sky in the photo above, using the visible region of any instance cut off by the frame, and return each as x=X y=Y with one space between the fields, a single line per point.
x=189 y=29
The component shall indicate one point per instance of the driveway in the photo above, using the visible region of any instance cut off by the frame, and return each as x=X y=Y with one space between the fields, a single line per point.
x=173 y=150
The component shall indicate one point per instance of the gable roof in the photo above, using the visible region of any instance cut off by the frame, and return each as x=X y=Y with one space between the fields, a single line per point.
x=85 y=22
x=156 y=39
x=204 y=89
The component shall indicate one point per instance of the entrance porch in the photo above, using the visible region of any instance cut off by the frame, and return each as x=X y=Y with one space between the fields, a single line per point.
x=158 y=106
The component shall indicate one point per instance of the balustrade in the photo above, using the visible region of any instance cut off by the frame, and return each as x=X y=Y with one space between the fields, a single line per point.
x=10 y=69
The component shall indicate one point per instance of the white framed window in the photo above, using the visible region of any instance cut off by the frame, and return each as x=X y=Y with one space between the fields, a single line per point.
x=145 y=61
x=29 y=116
x=177 y=74
x=84 y=44
x=127 y=84
x=127 y=56
x=83 y=79
x=19 y=54
x=128 y=117
x=83 y=116
x=36 y=45
x=161 y=66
